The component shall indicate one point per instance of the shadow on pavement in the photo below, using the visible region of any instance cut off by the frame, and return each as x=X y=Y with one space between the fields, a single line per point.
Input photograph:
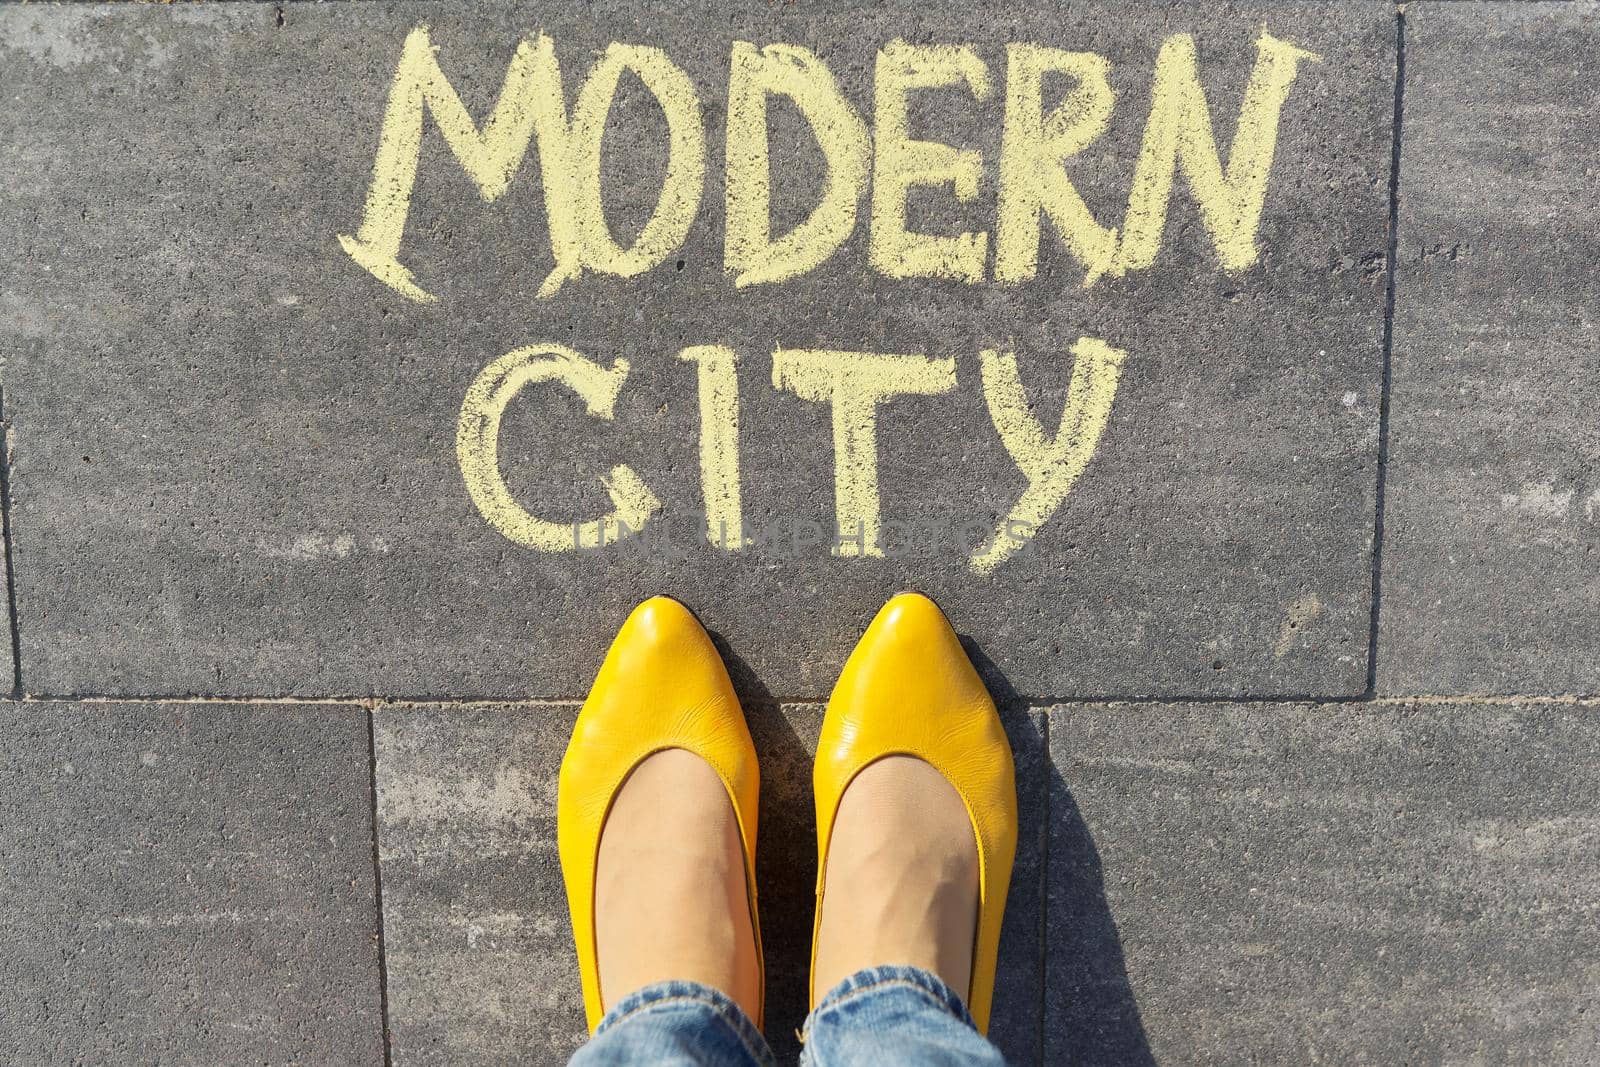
x=786 y=858
x=1090 y=1014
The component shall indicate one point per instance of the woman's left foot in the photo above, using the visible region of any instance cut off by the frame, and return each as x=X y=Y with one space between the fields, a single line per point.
x=669 y=898
x=657 y=819
x=916 y=810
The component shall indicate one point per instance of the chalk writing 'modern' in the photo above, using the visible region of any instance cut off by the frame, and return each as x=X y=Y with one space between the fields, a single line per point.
x=1037 y=147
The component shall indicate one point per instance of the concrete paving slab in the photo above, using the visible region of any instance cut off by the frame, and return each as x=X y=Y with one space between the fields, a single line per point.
x=1324 y=884
x=237 y=447
x=187 y=884
x=1492 y=506
x=478 y=947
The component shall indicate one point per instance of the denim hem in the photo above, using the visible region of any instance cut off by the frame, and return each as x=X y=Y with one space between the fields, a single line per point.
x=677 y=991
x=864 y=982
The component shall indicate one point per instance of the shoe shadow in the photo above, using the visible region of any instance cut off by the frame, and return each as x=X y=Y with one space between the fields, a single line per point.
x=786 y=858
x=1088 y=1013
x=1091 y=1015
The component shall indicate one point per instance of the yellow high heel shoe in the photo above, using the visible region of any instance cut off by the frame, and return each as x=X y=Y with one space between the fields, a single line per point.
x=662 y=686
x=908 y=689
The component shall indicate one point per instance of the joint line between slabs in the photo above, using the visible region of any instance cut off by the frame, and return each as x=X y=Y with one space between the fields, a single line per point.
x=369 y=704
x=1381 y=482
x=17 y=691
x=377 y=882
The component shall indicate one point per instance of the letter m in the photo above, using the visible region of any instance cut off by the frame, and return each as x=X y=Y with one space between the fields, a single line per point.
x=531 y=101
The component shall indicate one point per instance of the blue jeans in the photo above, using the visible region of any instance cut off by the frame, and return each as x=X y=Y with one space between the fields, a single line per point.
x=880 y=1017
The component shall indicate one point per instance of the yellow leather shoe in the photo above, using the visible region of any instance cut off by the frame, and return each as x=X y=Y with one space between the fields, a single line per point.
x=662 y=686
x=908 y=689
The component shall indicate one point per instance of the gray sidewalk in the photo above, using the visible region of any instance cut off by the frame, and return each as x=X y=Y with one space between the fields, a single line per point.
x=1301 y=673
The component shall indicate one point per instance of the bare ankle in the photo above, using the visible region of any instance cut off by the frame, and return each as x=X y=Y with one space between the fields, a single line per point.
x=901 y=882
x=670 y=893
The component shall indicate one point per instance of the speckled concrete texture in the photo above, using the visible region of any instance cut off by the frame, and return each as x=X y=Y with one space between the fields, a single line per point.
x=1383 y=883
x=235 y=467
x=187 y=884
x=1300 y=675
x=1492 y=535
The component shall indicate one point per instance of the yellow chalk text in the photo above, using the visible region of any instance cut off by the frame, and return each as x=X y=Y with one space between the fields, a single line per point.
x=1043 y=129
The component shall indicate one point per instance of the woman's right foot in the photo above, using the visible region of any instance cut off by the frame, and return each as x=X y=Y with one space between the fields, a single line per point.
x=916 y=811
x=902 y=878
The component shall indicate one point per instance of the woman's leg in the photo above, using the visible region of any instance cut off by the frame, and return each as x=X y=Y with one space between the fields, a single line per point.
x=898 y=920
x=902 y=878
x=676 y=947
x=894 y=1016
x=675 y=1024
x=669 y=895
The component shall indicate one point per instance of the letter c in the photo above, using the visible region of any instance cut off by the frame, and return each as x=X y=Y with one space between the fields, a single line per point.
x=478 y=449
